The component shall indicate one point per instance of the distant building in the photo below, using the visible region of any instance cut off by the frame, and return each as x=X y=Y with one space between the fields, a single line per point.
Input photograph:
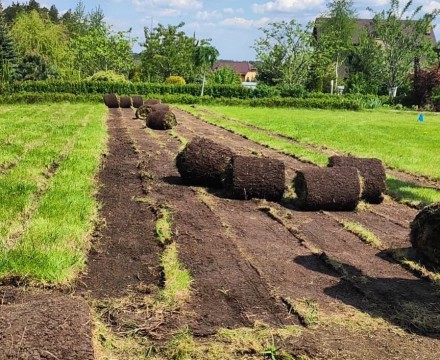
x=244 y=69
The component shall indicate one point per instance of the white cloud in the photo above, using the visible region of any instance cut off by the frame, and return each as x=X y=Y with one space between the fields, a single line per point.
x=240 y=22
x=287 y=6
x=433 y=5
x=168 y=4
x=233 y=11
x=208 y=15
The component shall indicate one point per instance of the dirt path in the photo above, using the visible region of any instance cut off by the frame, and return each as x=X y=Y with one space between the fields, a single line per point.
x=247 y=266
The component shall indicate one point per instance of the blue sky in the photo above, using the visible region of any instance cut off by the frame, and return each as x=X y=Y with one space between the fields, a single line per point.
x=231 y=24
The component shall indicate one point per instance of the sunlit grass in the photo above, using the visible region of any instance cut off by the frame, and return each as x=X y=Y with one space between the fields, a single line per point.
x=47 y=200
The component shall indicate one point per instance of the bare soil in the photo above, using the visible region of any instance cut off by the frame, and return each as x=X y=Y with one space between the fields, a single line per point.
x=251 y=261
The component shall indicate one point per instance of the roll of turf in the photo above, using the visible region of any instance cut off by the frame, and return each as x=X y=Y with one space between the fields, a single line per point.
x=161 y=120
x=373 y=172
x=125 y=102
x=425 y=234
x=111 y=100
x=336 y=188
x=203 y=162
x=250 y=177
x=137 y=101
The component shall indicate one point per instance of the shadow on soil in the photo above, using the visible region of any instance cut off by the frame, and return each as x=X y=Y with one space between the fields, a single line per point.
x=413 y=305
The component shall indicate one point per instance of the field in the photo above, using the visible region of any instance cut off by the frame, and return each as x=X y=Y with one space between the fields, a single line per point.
x=180 y=272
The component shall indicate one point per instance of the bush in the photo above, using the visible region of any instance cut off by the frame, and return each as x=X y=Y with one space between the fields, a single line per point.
x=175 y=80
x=265 y=91
x=109 y=76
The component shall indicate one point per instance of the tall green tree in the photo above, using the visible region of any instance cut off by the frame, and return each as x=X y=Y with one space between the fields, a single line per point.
x=284 y=53
x=95 y=47
x=204 y=57
x=336 y=30
x=365 y=66
x=402 y=35
x=38 y=36
x=168 y=51
x=8 y=57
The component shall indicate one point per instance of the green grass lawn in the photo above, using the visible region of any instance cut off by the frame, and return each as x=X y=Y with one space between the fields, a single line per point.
x=49 y=156
x=395 y=137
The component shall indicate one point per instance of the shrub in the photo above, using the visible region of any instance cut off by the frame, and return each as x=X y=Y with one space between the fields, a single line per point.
x=264 y=91
x=175 y=80
x=109 y=76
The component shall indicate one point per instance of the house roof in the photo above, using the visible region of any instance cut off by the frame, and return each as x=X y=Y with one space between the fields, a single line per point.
x=368 y=25
x=240 y=67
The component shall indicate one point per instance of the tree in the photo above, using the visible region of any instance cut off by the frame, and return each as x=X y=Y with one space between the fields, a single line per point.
x=204 y=57
x=225 y=76
x=53 y=14
x=168 y=51
x=365 y=64
x=284 y=53
x=8 y=57
x=95 y=47
x=336 y=33
x=37 y=36
x=403 y=40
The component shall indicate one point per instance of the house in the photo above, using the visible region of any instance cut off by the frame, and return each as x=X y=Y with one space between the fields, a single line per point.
x=244 y=69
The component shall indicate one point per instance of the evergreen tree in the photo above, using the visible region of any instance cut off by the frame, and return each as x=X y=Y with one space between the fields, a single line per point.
x=8 y=58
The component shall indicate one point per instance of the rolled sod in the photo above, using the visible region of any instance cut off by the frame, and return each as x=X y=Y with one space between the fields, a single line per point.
x=373 y=172
x=160 y=107
x=137 y=101
x=111 y=100
x=161 y=120
x=125 y=102
x=425 y=233
x=250 y=177
x=152 y=101
x=203 y=162
x=336 y=188
x=149 y=106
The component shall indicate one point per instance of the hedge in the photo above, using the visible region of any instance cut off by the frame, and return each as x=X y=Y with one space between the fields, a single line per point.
x=125 y=88
x=312 y=103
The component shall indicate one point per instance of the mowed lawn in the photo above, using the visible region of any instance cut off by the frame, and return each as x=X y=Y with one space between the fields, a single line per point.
x=395 y=137
x=49 y=157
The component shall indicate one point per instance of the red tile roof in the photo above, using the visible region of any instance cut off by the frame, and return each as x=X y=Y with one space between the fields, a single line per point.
x=240 y=67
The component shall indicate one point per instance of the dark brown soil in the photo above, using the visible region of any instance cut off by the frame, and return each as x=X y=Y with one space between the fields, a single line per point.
x=126 y=252
x=37 y=326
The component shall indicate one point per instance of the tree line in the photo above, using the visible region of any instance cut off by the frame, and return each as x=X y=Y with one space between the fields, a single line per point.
x=37 y=43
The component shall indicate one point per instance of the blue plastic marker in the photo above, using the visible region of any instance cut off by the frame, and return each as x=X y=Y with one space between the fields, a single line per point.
x=421 y=117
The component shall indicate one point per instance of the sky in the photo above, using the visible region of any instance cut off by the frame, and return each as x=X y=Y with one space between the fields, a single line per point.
x=232 y=25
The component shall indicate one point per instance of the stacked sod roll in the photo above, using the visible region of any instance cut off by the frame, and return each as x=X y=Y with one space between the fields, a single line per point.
x=372 y=172
x=337 y=188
